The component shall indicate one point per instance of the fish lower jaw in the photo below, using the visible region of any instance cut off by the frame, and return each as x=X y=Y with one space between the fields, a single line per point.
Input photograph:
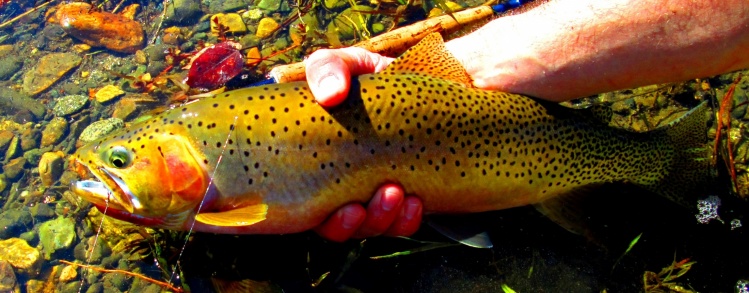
x=179 y=221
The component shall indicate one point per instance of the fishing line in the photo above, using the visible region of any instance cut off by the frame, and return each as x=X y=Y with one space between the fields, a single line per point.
x=200 y=206
x=96 y=239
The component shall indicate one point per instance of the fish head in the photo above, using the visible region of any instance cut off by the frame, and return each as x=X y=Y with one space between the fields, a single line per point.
x=145 y=175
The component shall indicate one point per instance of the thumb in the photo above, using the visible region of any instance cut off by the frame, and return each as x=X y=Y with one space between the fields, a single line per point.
x=329 y=71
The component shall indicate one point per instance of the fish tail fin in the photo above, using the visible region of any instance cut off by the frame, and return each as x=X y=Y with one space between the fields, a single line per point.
x=689 y=169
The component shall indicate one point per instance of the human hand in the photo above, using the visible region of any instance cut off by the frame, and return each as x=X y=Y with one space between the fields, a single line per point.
x=390 y=212
x=329 y=71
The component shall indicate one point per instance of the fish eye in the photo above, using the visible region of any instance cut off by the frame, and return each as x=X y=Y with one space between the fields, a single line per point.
x=119 y=157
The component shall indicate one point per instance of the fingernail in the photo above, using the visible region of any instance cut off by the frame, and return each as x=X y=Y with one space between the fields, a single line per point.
x=387 y=203
x=347 y=221
x=329 y=82
x=412 y=208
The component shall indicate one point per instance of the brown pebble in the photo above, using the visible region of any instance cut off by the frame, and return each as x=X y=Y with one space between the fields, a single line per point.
x=100 y=29
x=54 y=131
x=51 y=167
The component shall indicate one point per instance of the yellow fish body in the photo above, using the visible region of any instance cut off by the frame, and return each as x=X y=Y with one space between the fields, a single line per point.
x=270 y=160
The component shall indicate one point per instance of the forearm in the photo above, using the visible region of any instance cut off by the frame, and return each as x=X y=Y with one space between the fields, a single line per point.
x=568 y=49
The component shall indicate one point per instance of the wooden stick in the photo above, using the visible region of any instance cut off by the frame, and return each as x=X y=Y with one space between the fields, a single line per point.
x=397 y=41
x=161 y=21
x=7 y=23
x=142 y=277
x=118 y=6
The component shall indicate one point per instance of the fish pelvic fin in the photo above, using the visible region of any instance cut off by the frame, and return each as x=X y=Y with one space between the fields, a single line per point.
x=244 y=216
x=690 y=167
x=429 y=57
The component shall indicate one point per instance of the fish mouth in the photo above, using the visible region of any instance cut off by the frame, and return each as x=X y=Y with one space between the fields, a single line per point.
x=109 y=190
x=101 y=196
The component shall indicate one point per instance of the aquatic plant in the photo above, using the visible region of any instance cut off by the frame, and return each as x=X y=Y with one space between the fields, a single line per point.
x=664 y=281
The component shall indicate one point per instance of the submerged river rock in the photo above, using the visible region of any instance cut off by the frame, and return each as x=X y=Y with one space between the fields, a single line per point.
x=13 y=222
x=20 y=255
x=100 y=29
x=100 y=128
x=56 y=235
x=70 y=104
x=50 y=68
x=8 y=282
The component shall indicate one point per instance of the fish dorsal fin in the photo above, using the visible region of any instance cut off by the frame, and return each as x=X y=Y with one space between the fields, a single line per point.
x=243 y=216
x=429 y=57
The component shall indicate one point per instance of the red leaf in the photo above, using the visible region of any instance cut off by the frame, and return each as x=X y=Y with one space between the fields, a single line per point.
x=215 y=65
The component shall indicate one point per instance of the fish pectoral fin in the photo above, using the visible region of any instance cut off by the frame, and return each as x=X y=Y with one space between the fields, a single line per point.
x=466 y=235
x=244 y=216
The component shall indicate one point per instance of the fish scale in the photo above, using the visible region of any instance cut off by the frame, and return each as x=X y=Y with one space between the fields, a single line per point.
x=460 y=149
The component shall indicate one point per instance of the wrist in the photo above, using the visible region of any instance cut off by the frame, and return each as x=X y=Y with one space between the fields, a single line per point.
x=508 y=54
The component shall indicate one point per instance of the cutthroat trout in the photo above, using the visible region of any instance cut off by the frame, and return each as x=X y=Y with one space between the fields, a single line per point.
x=270 y=160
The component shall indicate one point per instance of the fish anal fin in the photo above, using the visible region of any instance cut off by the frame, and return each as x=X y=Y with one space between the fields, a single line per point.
x=568 y=210
x=244 y=216
x=429 y=57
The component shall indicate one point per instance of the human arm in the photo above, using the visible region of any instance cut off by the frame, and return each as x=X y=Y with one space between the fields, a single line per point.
x=568 y=49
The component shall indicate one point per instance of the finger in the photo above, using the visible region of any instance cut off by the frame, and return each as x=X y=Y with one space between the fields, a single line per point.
x=381 y=211
x=329 y=71
x=360 y=61
x=409 y=220
x=328 y=76
x=342 y=225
